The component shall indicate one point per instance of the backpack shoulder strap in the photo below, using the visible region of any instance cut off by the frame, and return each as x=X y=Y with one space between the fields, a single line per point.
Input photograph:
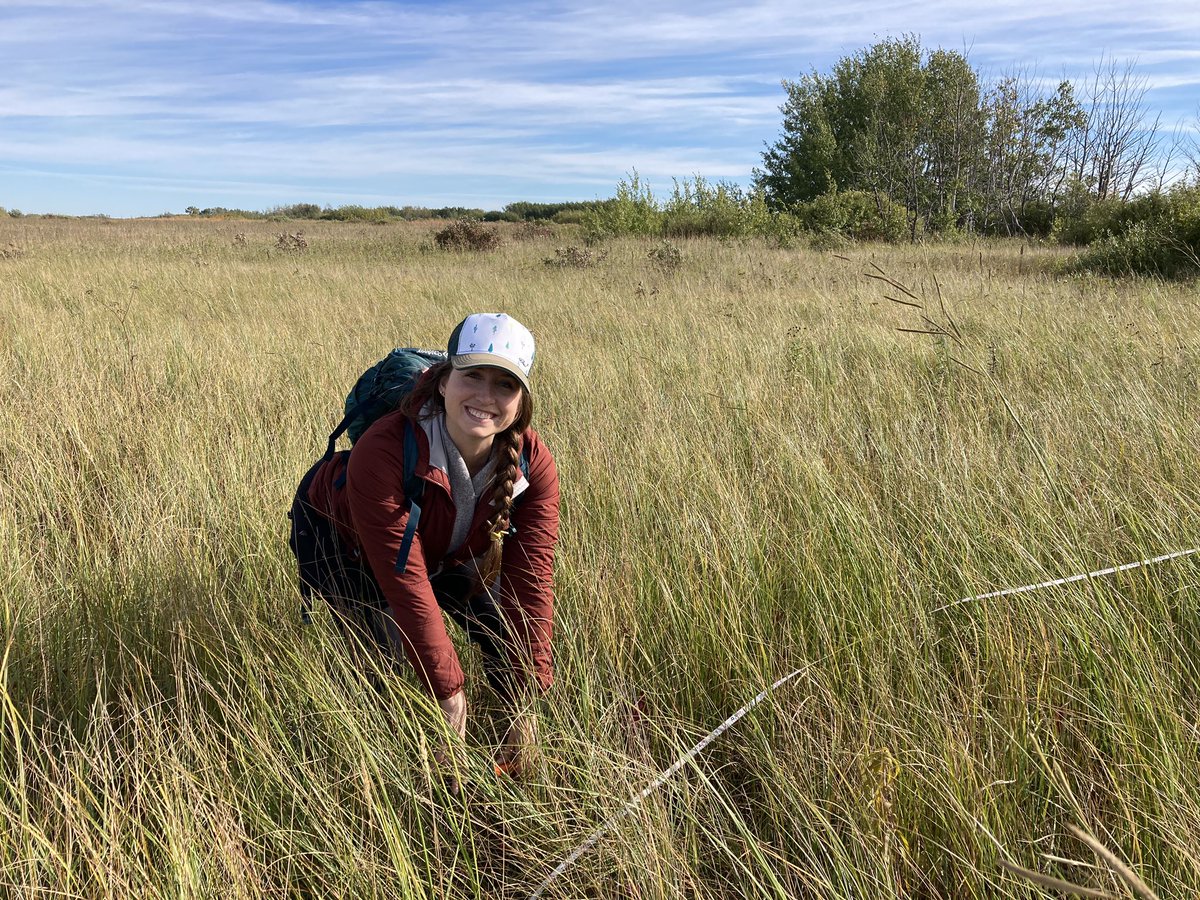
x=414 y=489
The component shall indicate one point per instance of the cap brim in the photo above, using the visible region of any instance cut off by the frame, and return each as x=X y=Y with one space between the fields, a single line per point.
x=478 y=360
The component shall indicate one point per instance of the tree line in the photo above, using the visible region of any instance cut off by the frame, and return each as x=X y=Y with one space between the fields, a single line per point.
x=518 y=211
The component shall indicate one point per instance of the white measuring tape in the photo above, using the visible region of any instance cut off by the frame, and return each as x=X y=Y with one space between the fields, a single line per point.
x=728 y=723
x=657 y=783
x=1097 y=574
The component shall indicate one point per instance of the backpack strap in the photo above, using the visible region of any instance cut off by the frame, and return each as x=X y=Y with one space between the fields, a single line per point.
x=411 y=483
x=351 y=415
x=337 y=433
x=414 y=489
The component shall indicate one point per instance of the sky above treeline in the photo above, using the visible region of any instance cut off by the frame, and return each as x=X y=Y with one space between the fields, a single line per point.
x=138 y=108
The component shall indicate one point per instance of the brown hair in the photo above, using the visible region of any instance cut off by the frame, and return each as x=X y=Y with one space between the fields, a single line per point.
x=507 y=450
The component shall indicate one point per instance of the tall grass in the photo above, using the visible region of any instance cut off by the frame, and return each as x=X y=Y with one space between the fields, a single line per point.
x=760 y=473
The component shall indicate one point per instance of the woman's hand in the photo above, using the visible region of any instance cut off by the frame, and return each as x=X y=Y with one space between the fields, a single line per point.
x=455 y=710
x=520 y=744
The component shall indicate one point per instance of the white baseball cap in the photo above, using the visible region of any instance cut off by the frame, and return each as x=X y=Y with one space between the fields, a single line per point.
x=492 y=339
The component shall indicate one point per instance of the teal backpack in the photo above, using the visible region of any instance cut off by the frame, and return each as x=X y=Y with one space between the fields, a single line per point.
x=381 y=389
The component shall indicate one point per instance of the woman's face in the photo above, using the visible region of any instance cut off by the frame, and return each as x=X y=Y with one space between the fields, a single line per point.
x=480 y=404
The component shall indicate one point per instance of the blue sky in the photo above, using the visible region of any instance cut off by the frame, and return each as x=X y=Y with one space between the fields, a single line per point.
x=136 y=108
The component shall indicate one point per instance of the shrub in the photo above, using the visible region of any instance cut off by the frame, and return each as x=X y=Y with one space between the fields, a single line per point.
x=292 y=243
x=576 y=258
x=531 y=231
x=455 y=212
x=633 y=211
x=465 y=234
x=524 y=211
x=1091 y=220
x=666 y=256
x=297 y=211
x=353 y=213
x=1157 y=234
x=221 y=212
x=570 y=217
x=1038 y=218
x=854 y=214
x=698 y=208
x=408 y=213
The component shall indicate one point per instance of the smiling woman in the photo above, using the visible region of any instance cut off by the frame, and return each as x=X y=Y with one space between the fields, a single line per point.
x=469 y=529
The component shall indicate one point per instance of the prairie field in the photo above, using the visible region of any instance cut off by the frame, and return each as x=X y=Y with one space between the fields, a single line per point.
x=768 y=465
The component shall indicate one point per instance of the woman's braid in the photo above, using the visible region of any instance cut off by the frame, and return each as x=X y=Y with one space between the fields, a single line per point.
x=508 y=470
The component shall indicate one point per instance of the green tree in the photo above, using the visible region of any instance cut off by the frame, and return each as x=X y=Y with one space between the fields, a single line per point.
x=891 y=120
x=806 y=161
x=882 y=92
x=1025 y=166
x=952 y=139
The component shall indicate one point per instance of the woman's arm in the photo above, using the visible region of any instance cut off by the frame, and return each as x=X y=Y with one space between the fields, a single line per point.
x=379 y=511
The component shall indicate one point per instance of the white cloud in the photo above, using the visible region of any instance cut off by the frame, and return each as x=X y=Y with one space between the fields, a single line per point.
x=284 y=90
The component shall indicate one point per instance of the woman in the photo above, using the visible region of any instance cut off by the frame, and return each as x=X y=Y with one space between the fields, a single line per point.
x=482 y=548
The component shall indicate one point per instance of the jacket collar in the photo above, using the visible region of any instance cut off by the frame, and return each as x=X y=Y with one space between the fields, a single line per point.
x=434 y=427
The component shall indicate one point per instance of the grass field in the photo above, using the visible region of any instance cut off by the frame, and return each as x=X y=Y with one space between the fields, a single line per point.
x=761 y=472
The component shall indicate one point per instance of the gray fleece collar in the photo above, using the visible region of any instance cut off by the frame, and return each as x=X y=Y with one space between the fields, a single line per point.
x=434 y=425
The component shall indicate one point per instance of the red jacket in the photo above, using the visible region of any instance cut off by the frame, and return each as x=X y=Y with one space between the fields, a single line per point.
x=370 y=513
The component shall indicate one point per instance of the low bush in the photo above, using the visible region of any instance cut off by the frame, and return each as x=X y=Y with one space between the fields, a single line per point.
x=355 y=213
x=465 y=234
x=633 y=211
x=1157 y=235
x=576 y=258
x=298 y=211
x=1092 y=220
x=531 y=231
x=666 y=256
x=698 y=208
x=291 y=243
x=858 y=215
x=570 y=217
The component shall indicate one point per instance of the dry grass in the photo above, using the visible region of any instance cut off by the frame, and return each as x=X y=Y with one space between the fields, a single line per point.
x=761 y=471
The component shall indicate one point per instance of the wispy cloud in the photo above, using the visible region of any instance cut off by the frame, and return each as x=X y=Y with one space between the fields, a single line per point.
x=553 y=97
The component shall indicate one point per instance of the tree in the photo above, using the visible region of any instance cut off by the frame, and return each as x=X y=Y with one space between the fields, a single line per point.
x=953 y=138
x=883 y=95
x=888 y=121
x=807 y=160
x=917 y=129
x=1025 y=150
x=1117 y=140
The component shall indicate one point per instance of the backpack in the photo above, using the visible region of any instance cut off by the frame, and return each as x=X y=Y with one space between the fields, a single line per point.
x=380 y=390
